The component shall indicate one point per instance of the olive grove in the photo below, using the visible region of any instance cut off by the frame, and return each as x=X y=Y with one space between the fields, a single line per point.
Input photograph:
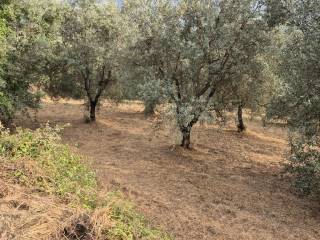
x=191 y=57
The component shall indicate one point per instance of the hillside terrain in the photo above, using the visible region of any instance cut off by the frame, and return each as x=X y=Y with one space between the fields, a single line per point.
x=229 y=186
x=159 y=120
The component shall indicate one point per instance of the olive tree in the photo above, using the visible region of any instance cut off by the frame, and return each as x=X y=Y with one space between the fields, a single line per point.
x=92 y=36
x=5 y=102
x=26 y=40
x=194 y=48
x=251 y=88
x=299 y=101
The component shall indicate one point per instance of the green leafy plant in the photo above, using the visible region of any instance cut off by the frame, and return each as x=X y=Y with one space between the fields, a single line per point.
x=305 y=163
x=129 y=224
x=298 y=100
x=45 y=163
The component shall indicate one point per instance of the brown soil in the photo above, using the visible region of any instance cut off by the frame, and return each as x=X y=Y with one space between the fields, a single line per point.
x=230 y=186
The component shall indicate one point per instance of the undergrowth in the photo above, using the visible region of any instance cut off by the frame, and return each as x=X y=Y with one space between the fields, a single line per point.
x=38 y=160
x=129 y=224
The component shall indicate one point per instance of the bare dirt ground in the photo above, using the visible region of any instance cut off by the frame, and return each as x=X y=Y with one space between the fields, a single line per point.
x=229 y=186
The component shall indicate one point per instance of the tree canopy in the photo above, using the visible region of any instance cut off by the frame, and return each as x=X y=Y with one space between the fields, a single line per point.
x=194 y=49
x=298 y=100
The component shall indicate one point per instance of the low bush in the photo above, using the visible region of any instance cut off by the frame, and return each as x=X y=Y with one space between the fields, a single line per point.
x=304 y=164
x=39 y=159
x=129 y=224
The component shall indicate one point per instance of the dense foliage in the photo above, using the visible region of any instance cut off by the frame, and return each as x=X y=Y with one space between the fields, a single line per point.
x=299 y=99
x=23 y=65
x=5 y=102
x=195 y=49
x=92 y=37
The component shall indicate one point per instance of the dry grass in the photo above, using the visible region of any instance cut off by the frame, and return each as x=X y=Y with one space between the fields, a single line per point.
x=28 y=215
x=24 y=215
x=230 y=186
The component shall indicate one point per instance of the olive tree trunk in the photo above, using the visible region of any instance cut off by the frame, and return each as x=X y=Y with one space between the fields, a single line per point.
x=241 y=126
x=149 y=108
x=93 y=106
x=186 y=135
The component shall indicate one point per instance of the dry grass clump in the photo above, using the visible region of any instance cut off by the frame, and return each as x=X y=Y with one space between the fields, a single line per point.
x=26 y=215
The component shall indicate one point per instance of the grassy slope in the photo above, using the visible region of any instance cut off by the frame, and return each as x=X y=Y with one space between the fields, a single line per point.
x=49 y=193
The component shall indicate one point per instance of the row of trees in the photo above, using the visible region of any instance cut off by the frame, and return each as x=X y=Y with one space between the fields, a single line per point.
x=194 y=56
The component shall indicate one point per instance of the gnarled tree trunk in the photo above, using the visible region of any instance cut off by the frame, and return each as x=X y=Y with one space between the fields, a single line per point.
x=241 y=126
x=102 y=84
x=186 y=134
x=149 y=108
x=93 y=106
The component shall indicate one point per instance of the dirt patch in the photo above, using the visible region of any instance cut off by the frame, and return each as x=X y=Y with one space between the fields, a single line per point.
x=229 y=186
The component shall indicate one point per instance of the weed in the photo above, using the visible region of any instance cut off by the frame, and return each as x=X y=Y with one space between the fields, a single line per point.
x=129 y=224
x=42 y=161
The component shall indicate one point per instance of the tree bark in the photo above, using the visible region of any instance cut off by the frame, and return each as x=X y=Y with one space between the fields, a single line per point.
x=93 y=105
x=186 y=134
x=149 y=108
x=241 y=126
x=93 y=100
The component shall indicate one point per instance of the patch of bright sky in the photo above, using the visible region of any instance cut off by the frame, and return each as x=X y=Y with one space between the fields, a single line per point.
x=119 y=3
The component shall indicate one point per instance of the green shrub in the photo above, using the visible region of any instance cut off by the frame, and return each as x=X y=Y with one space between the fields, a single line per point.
x=305 y=163
x=45 y=163
x=6 y=106
x=129 y=224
